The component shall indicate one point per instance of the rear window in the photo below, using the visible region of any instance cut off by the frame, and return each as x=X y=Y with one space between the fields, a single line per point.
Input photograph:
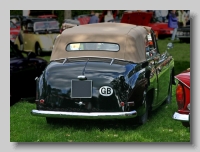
x=93 y=46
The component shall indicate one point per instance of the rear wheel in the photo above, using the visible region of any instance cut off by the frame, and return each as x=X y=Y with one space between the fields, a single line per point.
x=144 y=117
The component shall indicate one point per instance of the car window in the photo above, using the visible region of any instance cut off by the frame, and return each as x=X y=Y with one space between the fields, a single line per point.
x=46 y=25
x=92 y=46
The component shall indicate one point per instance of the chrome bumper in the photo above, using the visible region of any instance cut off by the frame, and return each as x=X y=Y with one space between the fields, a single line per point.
x=91 y=115
x=181 y=117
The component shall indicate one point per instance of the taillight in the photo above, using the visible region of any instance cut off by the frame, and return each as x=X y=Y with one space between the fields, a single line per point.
x=180 y=96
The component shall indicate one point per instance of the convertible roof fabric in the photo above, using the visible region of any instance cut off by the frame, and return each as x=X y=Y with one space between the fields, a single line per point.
x=131 y=39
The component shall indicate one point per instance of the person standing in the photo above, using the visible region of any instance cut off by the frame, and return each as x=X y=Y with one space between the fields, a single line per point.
x=108 y=16
x=93 y=18
x=164 y=15
x=180 y=18
x=173 y=23
x=158 y=15
x=188 y=17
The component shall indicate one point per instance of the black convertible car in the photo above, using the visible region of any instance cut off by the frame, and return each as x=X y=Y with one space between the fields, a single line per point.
x=104 y=71
x=23 y=71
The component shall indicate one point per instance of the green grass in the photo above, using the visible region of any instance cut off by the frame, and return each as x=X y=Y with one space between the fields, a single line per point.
x=160 y=126
x=180 y=53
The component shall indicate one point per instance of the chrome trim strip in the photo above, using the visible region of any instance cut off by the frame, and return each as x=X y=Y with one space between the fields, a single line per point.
x=181 y=117
x=82 y=77
x=91 y=115
x=93 y=57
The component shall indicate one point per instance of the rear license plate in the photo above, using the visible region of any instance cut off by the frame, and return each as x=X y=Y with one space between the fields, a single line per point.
x=81 y=89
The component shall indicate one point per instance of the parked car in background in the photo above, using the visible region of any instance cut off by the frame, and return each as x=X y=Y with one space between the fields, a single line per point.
x=183 y=33
x=66 y=26
x=23 y=71
x=15 y=27
x=105 y=70
x=17 y=19
x=83 y=19
x=39 y=34
x=48 y=16
x=69 y=23
x=183 y=98
x=14 y=31
x=146 y=19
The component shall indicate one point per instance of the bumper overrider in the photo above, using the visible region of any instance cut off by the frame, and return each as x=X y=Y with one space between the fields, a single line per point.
x=91 y=115
x=181 y=117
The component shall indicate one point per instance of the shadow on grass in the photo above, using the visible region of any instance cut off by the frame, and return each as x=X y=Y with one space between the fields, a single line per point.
x=88 y=124
x=120 y=124
x=181 y=66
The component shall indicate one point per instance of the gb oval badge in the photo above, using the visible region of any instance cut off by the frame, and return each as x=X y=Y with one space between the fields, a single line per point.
x=106 y=91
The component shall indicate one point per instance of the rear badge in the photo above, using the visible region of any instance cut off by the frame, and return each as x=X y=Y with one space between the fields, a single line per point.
x=106 y=91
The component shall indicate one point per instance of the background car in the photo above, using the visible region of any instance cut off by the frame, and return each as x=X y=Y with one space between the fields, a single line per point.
x=48 y=16
x=14 y=31
x=103 y=71
x=82 y=19
x=183 y=33
x=38 y=34
x=17 y=19
x=145 y=19
x=183 y=98
x=23 y=71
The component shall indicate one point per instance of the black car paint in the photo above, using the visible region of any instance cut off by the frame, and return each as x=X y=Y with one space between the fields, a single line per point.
x=23 y=71
x=123 y=78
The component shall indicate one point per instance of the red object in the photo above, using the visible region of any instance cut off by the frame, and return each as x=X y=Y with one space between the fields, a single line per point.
x=14 y=31
x=48 y=16
x=144 y=19
x=180 y=96
x=183 y=93
x=122 y=104
x=84 y=20
x=41 y=101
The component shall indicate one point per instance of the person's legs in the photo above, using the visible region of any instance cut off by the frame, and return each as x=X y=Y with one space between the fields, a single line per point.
x=164 y=19
x=159 y=19
x=174 y=33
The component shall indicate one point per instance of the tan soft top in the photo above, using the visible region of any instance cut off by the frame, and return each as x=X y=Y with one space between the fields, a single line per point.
x=131 y=39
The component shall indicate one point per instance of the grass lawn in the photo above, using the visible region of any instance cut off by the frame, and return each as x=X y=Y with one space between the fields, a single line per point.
x=160 y=126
